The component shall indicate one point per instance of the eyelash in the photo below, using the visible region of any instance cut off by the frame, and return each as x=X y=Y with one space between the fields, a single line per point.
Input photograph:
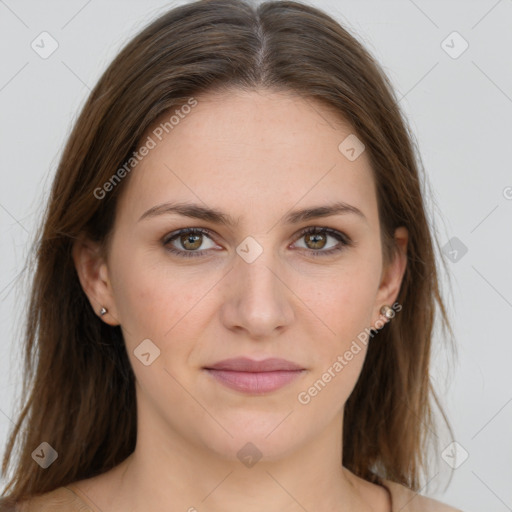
x=341 y=237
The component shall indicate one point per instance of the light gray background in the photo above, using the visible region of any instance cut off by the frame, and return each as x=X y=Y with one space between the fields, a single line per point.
x=460 y=110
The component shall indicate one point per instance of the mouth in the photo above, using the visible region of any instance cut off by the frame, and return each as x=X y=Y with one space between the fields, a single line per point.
x=255 y=377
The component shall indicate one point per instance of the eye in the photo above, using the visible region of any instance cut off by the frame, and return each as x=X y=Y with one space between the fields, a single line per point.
x=316 y=240
x=191 y=239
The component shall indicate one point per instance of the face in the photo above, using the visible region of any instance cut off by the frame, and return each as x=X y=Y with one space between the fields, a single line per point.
x=248 y=282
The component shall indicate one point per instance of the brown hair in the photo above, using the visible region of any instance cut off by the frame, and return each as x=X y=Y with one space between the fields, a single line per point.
x=79 y=385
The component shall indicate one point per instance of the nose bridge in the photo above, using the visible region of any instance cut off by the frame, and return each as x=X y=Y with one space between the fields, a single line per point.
x=257 y=298
x=257 y=267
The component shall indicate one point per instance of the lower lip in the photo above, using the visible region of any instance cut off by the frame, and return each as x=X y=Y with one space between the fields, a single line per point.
x=255 y=382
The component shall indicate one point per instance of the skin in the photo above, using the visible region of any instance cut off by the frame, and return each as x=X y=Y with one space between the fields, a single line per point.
x=256 y=156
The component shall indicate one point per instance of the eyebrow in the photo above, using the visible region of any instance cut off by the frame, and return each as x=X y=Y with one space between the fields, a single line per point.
x=197 y=211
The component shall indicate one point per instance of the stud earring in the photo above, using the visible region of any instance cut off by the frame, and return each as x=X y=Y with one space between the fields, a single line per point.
x=387 y=311
x=103 y=311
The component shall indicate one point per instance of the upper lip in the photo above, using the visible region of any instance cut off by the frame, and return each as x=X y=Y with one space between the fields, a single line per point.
x=244 y=364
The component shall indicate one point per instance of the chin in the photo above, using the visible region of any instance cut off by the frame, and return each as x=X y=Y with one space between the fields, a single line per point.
x=253 y=436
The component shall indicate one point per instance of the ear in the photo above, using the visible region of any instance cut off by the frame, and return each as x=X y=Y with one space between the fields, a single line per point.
x=392 y=274
x=93 y=274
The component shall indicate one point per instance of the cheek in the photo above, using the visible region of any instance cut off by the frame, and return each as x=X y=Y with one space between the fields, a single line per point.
x=144 y=298
x=343 y=310
x=342 y=303
x=159 y=301
x=342 y=300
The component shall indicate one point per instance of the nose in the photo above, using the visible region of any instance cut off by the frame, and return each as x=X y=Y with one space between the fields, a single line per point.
x=258 y=300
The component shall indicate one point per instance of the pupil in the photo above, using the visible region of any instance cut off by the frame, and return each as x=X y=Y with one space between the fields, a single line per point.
x=314 y=238
x=189 y=239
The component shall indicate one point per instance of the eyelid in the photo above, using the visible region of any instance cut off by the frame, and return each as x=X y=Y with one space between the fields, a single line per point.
x=174 y=234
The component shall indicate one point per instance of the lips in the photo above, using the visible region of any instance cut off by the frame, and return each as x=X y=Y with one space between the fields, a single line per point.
x=244 y=364
x=255 y=377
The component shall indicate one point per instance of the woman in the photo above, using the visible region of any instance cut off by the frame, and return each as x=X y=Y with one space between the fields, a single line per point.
x=236 y=284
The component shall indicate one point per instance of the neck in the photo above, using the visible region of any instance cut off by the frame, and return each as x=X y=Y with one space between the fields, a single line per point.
x=166 y=470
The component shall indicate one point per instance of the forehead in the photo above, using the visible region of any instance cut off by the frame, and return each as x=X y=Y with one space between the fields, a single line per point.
x=263 y=150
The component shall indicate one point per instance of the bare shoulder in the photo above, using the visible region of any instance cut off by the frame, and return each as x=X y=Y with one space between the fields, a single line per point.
x=61 y=499
x=406 y=500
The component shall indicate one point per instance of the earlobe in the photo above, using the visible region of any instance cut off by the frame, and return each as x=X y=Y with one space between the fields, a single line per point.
x=93 y=276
